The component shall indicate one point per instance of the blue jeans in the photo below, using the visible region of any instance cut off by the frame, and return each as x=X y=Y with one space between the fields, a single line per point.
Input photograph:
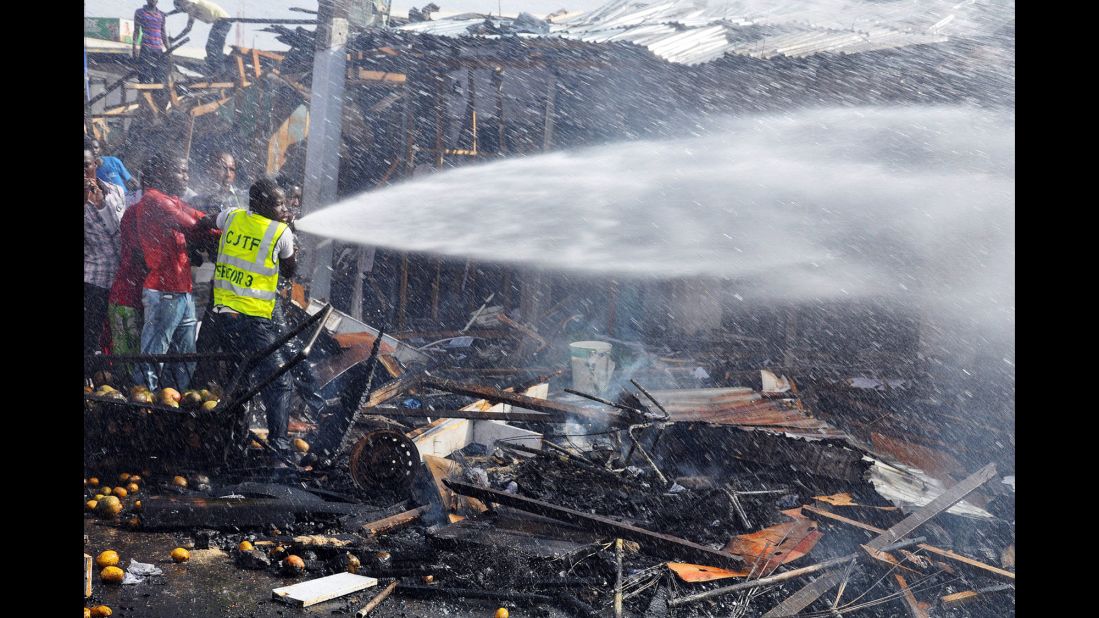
x=169 y=329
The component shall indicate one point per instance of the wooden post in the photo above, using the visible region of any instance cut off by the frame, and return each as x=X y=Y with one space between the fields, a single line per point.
x=440 y=115
x=551 y=96
x=435 y=289
x=618 y=579
x=498 y=84
x=402 y=307
x=408 y=130
x=190 y=134
x=471 y=109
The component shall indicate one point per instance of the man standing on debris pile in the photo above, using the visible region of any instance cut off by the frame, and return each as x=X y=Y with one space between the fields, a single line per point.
x=256 y=247
x=104 y=204
x=208 y=13
x=165 y=225
x=149 y=44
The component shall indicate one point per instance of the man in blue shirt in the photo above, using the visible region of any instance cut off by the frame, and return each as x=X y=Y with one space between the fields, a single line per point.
x=111 y=169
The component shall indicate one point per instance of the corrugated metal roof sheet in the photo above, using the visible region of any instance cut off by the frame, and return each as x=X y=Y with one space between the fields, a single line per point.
x=689 y=32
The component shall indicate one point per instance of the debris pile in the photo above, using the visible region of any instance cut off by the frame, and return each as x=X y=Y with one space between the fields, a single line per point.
x=664 y=501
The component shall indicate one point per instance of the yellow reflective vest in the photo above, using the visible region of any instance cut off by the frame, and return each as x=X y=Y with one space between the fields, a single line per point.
x=246 y=275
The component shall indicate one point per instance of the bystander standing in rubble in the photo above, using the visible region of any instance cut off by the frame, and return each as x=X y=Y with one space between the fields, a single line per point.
x=256 y=247
x=124 y=310
x=165 y=225
x=218 y=193
x=208 y=13
x=104 y=204
x=111 y=169
x=149 y=43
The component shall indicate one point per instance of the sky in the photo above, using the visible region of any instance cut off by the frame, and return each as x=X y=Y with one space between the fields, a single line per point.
x=280 y=9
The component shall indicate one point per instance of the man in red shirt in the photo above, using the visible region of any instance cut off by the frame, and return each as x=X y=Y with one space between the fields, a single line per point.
x=124 y=311
x=164 y=226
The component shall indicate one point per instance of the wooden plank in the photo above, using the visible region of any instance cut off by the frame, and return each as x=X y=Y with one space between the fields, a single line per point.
x=394 y=521
x=206 y=108
x=87 y=576
x=910 y=602
x=322 y=589
x=381 y=596
x=649 y=540
x=931 y=549
x=959 y=598
x=381 y=76
x=151 y=103
x=811 y=592
x=256 y=66
x=139 y=86
x=240 y=70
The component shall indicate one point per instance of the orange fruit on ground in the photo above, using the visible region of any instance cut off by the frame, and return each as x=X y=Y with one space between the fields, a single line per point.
x=169 y=393
x=112 y=575
x=101 y=611
x=120 y=492
x=181 y=555
x=294 y=562
x=134 y=478
x=106 y=490
x=301 y=446
x=179 y=481
x=91 y=504
x=107 y=558
x=98 y=497
x=125 y=476
x=501 y=613
x=94 y=482
x=87 y=613
x=137 y=505
x=109 y=506
x=245 y=546
x=132 y=488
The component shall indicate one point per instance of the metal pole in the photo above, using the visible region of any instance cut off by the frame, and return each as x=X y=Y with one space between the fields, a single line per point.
x=322 y=155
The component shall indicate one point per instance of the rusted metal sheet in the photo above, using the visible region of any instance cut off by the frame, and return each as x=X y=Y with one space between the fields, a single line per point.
x=778 y=544
x=698 y=573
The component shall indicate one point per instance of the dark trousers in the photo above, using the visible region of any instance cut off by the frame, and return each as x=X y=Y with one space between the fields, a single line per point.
x=247 y=335
x=95 y=317
x=150 y=67
x=215 y=45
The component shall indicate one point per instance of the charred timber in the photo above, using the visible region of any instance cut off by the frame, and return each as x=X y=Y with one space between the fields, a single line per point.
x=663 y=543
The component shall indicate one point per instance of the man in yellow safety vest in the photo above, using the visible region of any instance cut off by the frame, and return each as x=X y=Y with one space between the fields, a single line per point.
x=255 y=248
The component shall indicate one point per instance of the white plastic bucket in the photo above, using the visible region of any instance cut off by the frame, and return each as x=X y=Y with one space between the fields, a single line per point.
x=591 y=366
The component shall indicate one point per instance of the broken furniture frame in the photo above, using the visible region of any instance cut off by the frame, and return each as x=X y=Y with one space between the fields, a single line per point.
x=196 y=437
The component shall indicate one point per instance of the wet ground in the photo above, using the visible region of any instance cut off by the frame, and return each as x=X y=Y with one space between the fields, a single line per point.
x=209 y=584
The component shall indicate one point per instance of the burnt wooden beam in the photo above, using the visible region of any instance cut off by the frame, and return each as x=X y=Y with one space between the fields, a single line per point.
x=805 y=597
x=536 y=417
x=665 y=544
x=530 y=403
x=931 y=549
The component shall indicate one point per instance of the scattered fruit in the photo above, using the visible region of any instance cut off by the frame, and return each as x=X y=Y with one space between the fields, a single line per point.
x=109 y=506
x=91 y=504
x=191 y=399
x=87 y=613
x=169 y=394
x=135 y=479
x=301 y=446
x=93 y=481
x=294 y=562
x=107 y=558
x=137 y=505
x=209 y=406
x=179 y=481
x=181 y=555
x=428 y=579
x=101 y=611
x=501 y=613
x=245 y=546
x=125 y=476
x=133 y=488
x=134 y=522
x=120 y=492
x=112 y=575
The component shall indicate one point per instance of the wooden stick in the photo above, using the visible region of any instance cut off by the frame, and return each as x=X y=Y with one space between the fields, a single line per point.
x=931 y=549
x=618 y=581
x=377 y=600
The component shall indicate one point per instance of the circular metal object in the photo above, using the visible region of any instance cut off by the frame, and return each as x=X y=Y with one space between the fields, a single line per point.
x=384 y=459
